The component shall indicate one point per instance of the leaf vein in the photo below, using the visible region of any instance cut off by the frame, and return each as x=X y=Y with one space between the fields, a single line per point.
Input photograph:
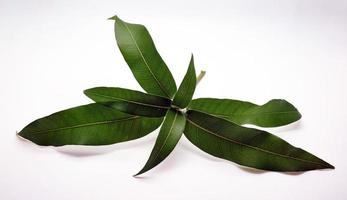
x=144 y=60
x=253 y=147
x=167 y=137
x=83 y=125
x=135 y=102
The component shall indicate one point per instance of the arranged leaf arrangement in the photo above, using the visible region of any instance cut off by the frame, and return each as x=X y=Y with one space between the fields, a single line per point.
x=213 y=125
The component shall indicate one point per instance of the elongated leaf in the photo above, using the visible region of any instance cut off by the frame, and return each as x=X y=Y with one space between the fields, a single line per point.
x=130 y=101
x=92 y=124
x=138 y=49
x=169 y=135
x=246 y=146
x=186 y=90
x=274 y=113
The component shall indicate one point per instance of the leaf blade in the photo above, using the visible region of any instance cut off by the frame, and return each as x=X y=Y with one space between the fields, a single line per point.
x=169 y=135
x=130 y=101
x=246 y=146
x=139 y=51
x=186 y=90
x=276 y=112
x=91 y=124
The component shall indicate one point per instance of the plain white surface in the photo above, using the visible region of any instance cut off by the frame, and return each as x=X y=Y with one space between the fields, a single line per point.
x=50 y=51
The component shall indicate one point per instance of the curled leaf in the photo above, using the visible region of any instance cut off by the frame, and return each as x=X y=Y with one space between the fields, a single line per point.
x=277 y=112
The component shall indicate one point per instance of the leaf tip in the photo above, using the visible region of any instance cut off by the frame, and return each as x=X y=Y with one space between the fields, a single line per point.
x=21 y=136
x=113 y=18
x=299 y=115
x=86 y=92
x=329 y=166
x=89 y=92
x=137 y=174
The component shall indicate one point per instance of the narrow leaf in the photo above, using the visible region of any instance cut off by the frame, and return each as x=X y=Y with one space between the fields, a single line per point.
x=169 y=135
x=92 y=124
x=130 y=101
x=276 y=112
x=138 y=49
x=246 y=146
x=186 y=90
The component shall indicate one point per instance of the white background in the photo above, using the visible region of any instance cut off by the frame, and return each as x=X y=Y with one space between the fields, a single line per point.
x=50 y=51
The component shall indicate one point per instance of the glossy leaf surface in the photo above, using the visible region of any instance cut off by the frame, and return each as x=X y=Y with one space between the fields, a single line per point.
x=186 y=90
x=92 y=124
x=274 y=113
x=169 y=135
x=130 y=101
x=246 y=146
x=139 y=51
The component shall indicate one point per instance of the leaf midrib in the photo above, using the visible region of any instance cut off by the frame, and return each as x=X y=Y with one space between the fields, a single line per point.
x=266 y=113
x=144 y=60
x=184 y=91
x=83 y=125
x=167 y=137
x=130 y=101
x=253 y=147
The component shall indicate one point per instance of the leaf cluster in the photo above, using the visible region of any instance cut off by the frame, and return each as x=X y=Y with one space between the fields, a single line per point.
x=213 y=125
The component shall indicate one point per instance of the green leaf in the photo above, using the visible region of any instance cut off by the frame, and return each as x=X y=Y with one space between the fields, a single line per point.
x=169 y=135
x=186 y=90
x=246 y=146
x=274 y=113
x=138 y=49
x=92 y=124
x=130 y=101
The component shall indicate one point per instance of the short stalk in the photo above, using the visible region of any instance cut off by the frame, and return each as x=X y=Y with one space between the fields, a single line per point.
x=200 y=76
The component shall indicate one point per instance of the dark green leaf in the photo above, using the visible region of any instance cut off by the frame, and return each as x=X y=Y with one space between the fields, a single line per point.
x=169 y=135
x=130 y=101
x=246 y=146
x=138 y=49
x=186 y=90
x=92 y=124
x=274 y=113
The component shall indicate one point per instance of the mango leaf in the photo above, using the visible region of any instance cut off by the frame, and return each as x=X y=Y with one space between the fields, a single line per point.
x=169 y=135
x=92 y=124
x=138 y=49
x=186 y=90
x=246 y=146
x=276 y=112
x=130 y=101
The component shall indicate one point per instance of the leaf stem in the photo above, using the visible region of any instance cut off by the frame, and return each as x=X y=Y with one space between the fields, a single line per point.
x=200 y=76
